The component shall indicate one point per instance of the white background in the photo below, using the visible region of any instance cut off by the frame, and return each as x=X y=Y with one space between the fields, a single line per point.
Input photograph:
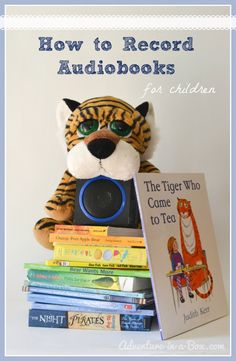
x=193 y=136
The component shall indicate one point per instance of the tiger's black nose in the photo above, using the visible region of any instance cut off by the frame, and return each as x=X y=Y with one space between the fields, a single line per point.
x=101 y=148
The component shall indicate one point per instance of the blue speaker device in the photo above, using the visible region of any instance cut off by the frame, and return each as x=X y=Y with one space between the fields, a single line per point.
x=107 y=202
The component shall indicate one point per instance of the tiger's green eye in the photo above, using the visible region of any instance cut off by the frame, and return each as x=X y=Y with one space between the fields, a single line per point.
x=120 y=128
x=88 y=127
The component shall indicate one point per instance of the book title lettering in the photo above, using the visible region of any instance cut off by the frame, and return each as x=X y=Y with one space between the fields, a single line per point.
x=119 y=67
x=165 y=203
x=58 y=320
x=85 y=320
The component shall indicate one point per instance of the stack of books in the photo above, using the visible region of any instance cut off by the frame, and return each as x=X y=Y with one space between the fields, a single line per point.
x=98 y=279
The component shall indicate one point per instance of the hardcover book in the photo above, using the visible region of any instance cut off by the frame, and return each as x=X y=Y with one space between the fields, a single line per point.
x=147 y=311
x=82 y=302
x=118 y=283
x=87 y=270
x=104 y=231
x=95 y=240
x=141 y=294
x=116 y=255
x=95 y=264
x=89 y=295
x=182 y=251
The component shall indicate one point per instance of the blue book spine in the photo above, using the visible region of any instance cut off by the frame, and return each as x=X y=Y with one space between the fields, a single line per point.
x=48 y=318
x=46 y=306
x=93 y=296
x=72 y=301
x=144 y=294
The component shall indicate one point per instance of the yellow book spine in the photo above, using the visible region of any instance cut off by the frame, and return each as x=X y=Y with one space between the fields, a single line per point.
x=116 y=255
x=83 y=230
x=85 y=240
x=54 y=262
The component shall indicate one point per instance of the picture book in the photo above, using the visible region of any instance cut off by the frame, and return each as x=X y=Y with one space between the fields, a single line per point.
x=104 y=231
x=95 y=264
x=88 y=295
x=95 y=240
x=87 y=270
x=147 y=311
x=116 y=255
x=83 y=302
x=141 y=294
x=89 y=321
x=89 y=280
x=182 y=250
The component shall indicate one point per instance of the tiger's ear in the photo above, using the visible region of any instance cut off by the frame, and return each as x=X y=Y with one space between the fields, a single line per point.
x=64 y=110
x=143 y=108
x=72 y=104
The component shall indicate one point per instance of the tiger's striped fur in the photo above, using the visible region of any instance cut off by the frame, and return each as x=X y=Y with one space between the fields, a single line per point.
x=107 y=109
x=60 y=207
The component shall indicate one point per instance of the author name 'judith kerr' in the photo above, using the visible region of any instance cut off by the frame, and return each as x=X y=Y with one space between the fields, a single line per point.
x=187 y=88
x=195 y=313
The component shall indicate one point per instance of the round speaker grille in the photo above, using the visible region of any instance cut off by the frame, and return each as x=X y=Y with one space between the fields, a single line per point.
x=102 y=199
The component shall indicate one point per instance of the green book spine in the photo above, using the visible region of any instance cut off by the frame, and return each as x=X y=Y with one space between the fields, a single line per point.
x=87 y=280
x=87 y=270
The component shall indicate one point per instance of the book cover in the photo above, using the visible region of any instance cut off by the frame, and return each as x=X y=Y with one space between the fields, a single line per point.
x=81 y=302
x=185 y=266
x=116 y=255
x=88 y=321
x=88 y=295
x=95 y=240
x=88 y=280
x=87 y=270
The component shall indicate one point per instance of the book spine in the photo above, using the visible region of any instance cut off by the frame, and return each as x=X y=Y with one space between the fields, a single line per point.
x=48 y=318
x=88 y=321
x=116 y=255
x=48 y=306
x=39 y=284
x=83 y=230
x=87 y=270
x=81 y=280
x=95 y=296
x=63 y=263
x=82 y=302
x=95 y=240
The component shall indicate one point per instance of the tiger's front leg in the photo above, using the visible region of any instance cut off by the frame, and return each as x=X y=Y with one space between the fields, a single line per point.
x=43 y=228
x=61 y=205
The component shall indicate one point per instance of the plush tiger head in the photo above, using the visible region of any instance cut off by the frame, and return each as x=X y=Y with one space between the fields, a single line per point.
x=184 y=208
x=104 y=136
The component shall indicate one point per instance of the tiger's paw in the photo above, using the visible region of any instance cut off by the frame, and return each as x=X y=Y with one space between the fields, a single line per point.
x=60 y=208
x=42 y=236
x=43 y=228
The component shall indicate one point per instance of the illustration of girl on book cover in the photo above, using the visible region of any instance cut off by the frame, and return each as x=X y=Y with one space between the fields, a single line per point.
x=180 y=279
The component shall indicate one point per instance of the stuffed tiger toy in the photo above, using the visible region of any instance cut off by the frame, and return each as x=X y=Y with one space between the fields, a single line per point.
x=104 y=136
